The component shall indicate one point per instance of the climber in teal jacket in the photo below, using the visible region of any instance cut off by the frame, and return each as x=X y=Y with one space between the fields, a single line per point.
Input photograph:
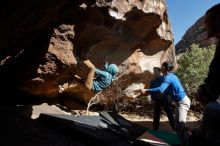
x=103 y=78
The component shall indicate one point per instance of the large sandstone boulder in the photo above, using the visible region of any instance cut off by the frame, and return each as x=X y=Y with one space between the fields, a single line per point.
x=196 y=34
x=40 y=51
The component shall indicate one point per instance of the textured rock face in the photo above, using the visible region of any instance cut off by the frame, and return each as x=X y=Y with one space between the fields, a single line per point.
x=41 y=51
x=196 y=34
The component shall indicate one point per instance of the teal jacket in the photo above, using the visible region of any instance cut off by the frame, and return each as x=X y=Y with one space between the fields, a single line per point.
x=104 y=78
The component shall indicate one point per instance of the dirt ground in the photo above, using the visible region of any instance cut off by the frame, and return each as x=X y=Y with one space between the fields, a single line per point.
x=192 y=121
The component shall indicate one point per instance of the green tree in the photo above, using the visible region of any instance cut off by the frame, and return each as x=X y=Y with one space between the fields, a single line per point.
x=193 y=67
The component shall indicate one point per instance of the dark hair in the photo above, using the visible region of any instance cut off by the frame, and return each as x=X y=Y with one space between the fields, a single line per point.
x=214 y=13
x=168 y=65
x=157 y=68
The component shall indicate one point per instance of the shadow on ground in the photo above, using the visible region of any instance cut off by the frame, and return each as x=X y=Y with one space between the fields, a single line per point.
x=164 y=125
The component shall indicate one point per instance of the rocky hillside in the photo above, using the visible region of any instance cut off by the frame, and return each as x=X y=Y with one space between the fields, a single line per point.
x=41 y=42
x=195 y=34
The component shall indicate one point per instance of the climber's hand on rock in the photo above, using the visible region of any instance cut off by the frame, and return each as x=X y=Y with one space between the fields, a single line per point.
x=61 y=89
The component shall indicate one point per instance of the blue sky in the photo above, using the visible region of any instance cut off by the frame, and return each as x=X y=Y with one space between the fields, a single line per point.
x=184 y=13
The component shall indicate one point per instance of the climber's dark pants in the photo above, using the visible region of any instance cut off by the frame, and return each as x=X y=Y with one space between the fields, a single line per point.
x=157 y=111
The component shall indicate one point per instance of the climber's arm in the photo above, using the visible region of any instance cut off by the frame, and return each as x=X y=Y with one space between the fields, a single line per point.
x=100 y=72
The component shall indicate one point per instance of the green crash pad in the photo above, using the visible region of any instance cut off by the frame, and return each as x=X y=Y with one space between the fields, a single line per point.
x=169 y=137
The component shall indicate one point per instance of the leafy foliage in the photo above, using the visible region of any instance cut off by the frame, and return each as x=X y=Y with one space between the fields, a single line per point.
x=193 y=68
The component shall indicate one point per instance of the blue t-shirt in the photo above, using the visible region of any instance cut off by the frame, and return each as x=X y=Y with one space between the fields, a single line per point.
x=171 y=85
x=102 y=81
